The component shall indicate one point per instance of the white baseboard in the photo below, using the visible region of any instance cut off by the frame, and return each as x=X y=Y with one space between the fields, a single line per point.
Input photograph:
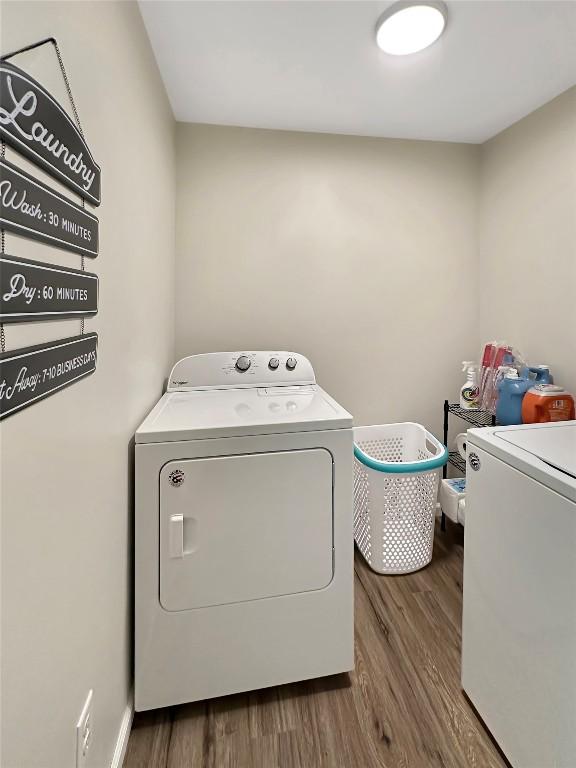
x=123 y=734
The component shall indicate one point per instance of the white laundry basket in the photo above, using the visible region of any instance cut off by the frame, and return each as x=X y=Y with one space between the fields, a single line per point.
x=396 y=473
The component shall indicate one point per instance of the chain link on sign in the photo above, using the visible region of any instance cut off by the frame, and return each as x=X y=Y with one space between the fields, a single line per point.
x=76 y=117
x=82 y=268
x=67 y=84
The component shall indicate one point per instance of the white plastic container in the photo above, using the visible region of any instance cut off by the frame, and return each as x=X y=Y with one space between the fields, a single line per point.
x=451 y=497
x=396 y=474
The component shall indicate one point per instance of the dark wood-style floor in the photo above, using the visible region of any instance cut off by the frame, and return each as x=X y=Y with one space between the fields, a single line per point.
x=401 y=708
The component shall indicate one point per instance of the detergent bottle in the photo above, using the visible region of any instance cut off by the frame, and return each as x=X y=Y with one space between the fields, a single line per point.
x=547 y=402
x=538 y=374
x=511 y=391
x=470 y=391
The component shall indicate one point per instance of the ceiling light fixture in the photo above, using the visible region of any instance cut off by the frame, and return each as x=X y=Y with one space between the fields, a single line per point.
x=410 y=26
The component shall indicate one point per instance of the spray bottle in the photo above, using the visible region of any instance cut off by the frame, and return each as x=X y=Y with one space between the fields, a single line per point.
x=470 y=392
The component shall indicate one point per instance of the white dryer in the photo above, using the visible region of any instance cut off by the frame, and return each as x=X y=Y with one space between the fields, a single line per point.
x=519 y=618
x=243 y=530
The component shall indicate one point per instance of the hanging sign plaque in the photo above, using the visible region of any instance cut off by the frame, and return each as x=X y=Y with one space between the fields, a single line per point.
x=33 y=122
x=32 y=290
x=31 y=209
x=30 y=374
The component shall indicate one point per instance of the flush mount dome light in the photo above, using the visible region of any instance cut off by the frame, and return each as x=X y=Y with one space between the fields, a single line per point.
x=408 y=27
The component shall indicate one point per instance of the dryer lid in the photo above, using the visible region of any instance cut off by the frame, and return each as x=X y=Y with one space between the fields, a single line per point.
x=230 y=412
x=554 y=444
x=546 y=452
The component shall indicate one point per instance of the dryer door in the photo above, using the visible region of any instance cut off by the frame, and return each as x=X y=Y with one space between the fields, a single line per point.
x=245 y=527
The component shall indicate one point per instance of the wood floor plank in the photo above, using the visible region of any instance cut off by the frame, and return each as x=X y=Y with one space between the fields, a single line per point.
x=149 y=739
x=431 y=651
x=396 y=693
x=190 y=743
x=402 y=707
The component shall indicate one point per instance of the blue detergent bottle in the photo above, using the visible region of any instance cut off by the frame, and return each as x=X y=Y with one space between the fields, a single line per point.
x=540 y=374
x=511 y=391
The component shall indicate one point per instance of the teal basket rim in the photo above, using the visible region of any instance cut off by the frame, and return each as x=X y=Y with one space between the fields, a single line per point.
x=402 y=467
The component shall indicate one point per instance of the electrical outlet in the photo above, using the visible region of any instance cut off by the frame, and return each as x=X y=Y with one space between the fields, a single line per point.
x=84 y=732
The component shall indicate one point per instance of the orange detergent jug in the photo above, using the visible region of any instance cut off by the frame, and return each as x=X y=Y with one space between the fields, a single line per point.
x=547 y=402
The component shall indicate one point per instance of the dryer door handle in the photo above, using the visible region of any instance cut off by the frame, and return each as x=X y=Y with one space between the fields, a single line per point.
x=176 y=536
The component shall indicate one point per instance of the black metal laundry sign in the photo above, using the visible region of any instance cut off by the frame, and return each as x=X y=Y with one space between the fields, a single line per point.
x=33 y=122
x=31 y=209
x=32 y=290
x=33 y=373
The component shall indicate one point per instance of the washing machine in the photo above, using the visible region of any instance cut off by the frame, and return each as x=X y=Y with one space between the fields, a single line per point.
x=243 y=530
x=519 y=617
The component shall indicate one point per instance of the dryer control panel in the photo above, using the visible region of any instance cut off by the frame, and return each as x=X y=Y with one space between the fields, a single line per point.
x=236 y=370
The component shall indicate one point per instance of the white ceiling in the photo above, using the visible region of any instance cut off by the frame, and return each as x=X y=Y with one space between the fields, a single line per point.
x=314 y=66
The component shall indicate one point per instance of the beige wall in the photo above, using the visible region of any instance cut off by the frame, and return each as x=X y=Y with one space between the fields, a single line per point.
x=66 y=493
x=527 y=265
x=360 y=253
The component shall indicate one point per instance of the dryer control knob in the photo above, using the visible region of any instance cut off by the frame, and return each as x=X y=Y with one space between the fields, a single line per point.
x=243 y=363
x=274 y=363
x=291 y=363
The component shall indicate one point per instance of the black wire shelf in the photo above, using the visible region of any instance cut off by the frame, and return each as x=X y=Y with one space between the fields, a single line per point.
x=457 y=461
x=477 y=418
